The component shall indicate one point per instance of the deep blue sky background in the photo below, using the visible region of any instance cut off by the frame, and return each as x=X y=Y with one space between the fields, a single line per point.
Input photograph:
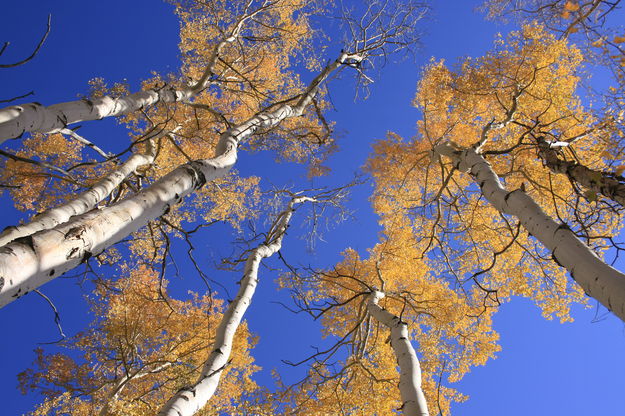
x=545 y=368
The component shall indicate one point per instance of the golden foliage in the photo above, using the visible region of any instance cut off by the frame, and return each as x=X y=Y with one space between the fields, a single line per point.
x=39 y=186
x=458 y=233
x=586 y=23
x=451 y=335
x=141 y=348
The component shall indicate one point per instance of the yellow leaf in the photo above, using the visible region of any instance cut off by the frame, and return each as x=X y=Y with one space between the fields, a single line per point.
x=598 y=43
x=565 y=15
x=571 y=6
x=619 y=170
x=619 y=39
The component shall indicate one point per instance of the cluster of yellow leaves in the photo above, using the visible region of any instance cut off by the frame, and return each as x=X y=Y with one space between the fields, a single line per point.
x=98 y=88
x=569 y=7
x=588 y=22
x=142 y=348
x=451 y=335
x=40 y=187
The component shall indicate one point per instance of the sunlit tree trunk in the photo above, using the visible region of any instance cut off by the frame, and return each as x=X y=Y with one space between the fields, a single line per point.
x=191 y=399
x=598 y=279
x=595 y=181
x=36 y=118
x=28 y=262
x=413 y=399
x=84 y=202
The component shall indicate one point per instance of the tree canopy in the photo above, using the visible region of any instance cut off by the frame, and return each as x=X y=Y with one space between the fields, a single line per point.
x=504 y=182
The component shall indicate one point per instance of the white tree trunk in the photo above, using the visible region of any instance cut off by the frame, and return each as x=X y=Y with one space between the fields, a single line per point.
x=413 y=399
x=28 y=262
x=598 y=279
x=84 y=202
x=36 y=118
x=191 y=399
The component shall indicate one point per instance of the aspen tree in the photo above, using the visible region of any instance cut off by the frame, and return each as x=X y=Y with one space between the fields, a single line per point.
x=36 y=118
x=191 y=399
x=598 y=279
x=139 y=350
x=453 y=329
x=491 y=117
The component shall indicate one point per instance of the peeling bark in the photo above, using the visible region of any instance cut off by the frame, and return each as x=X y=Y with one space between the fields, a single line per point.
x=596 y=181
x=191 y=399
x=598 y=279
x=54 y=251
x=413 y=399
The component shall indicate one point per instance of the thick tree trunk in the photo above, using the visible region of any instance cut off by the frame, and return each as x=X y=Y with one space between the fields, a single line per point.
x=31 y=261
x=84 y=202
x=413 y=399
x=594 y=180
x=36 y=118
x=191 y=399
x=598 y=279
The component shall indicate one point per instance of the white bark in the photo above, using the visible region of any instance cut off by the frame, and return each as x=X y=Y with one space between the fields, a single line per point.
x=84 y=202
x=413 y=399
x=36 y=118
x=28 y=262
x=191 y=399
x=598 y=279
x=122 y=382
x=71 y=133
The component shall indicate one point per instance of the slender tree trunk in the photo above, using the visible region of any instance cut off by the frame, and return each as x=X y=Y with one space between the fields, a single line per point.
x=191 y=399
x=28 y=262
x=36 y=118
x=413 y=399
x=84 y=202
x=598 y=279
x=122 y=382
x=596 y=181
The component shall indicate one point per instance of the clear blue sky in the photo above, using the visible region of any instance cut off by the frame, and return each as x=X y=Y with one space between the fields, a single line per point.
x=545 y=368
